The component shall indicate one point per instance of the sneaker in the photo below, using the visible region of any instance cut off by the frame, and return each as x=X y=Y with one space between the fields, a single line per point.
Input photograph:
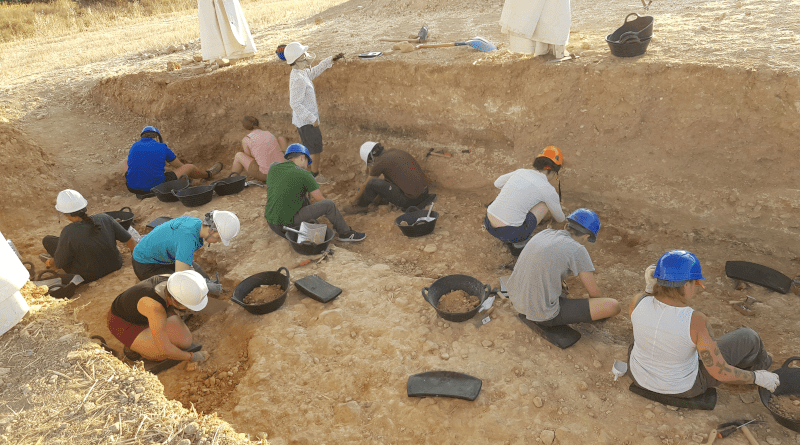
x=321 y=179
x=216 y=168
x=353 y=237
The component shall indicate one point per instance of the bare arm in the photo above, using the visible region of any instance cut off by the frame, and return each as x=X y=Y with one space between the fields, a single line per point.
x=246 y=146
x=175 y=163
x=131 y=243
x=157 y=320
x=364 y=187
x=711 y=356
x=587 y=278
x=316 y=195
x=634 y=301
x=180 y=266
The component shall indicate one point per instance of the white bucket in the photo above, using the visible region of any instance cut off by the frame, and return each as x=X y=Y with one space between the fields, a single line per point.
x=519 y=44
x=13 y=275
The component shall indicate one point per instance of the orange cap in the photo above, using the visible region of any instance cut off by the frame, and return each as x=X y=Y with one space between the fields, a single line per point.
x=553 y=153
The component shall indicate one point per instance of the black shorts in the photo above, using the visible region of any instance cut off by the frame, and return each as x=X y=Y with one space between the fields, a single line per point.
x=311 y=137
x=571 y=310
x=168 y=176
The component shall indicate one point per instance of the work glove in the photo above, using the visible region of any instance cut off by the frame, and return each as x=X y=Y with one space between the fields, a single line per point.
x=649 y=279
x=200 y=356
x=767 y=380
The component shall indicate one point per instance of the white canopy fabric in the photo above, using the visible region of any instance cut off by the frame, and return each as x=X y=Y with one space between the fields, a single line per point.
x=13 y=275
x=223 y=30
x=546 y=22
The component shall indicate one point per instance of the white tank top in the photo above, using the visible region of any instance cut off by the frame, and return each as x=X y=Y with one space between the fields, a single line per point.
x=664 y=358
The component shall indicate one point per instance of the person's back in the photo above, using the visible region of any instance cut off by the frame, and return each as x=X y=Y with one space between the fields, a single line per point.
x=265 y=149
x=176 y=239
x=549 y=258
x=400 y=168
x=89 y=253
x=663 y=358
x=146 y=160
x=523 y=189
x=287 y=185
x=125 y=305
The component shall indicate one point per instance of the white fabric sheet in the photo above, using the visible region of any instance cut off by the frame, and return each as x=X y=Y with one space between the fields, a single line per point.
x=223 y=30
x=546 y=22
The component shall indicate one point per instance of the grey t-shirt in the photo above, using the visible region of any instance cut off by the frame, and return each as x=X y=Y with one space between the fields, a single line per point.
x=548 y=258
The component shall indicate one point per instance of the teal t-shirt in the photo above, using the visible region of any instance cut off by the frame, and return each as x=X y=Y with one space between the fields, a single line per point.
x=176 y=239
x=287 y=185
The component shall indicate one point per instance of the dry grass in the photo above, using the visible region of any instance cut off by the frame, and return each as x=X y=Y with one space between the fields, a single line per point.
x=36 y=38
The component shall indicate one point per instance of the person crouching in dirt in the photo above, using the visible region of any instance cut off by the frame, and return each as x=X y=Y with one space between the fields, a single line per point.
x=144 y=167
x=88 y=245
x=404 y=183
x=303 y=100
x=674 y=350
x=259 y=150
x=547 y=260
x=170 y=247
x=288 y=185
x=526 y=197
x=146 y=318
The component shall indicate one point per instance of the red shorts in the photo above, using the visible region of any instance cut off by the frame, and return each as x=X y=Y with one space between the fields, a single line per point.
x=122 y=330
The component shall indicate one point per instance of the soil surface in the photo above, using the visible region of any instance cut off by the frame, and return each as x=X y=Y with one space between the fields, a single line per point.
x=263 y=294
x=457 y=301
x=786 y=406
x=692 y=146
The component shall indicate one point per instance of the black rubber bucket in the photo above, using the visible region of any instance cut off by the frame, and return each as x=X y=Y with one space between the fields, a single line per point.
x=230 y=185
x=262 y=279
x=632 y=38
x=412 y=230
x=450 y=283
x=123 y=217
x=164 y=190
x=309 y=248
x=195 y=196
x=790 y=385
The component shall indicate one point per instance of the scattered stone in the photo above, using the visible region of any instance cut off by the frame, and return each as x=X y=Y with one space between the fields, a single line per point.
x=649 y=414
x=747 y=397
x=430 y=248
x=171 y=49
x=487 y=343
x=184 y=442
x=197 y=58
x=547 y=436
x=88 y=407
x=191 y=429
x=445 y=356
x=773 y=441
x=208 y=70
x=537 y=402
x=113 y=428
x=172 y=66
x=597 y=364
x=582 y=386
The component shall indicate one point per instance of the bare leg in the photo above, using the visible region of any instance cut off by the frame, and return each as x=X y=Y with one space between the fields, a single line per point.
x=175 y=330
x=191 y=171
x=282 y=143
x=241 y=162
x=601 y=308
x=315 y=160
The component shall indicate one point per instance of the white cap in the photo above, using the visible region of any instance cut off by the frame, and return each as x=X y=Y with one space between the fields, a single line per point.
x=189 y=288
x=366 y=149
x=227 y=225
x=293 y=51
x=70 y=201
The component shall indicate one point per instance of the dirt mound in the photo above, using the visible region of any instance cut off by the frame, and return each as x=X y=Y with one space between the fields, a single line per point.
x=29 y=182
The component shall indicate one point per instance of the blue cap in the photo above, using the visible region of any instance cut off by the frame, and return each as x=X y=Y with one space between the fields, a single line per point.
x=588 y=220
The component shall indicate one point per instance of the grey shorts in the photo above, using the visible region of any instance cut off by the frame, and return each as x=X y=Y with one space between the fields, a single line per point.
x=311 y=137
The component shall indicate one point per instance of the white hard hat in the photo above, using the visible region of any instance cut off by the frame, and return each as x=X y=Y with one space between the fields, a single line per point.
x=189 y=288
x=366 y=149
x=293 y=51
x=70 y=201
x=227 y=225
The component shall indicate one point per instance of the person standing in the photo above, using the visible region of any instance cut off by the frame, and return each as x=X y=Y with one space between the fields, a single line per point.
x=549 y=258
x=260 y=149
x=404 y=183
x=303 y=100
x=87 y=246
x=144 y=167
x=288 y=187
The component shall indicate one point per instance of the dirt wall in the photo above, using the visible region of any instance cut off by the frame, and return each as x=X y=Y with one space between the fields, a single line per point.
x=693 y=149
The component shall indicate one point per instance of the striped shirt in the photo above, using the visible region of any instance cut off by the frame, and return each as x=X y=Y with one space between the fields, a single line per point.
x=302 y=97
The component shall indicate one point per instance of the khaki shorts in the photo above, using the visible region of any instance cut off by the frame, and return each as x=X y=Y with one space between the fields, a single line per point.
x=254 y=172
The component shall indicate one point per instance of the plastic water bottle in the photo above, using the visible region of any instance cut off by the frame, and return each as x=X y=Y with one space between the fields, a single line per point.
x=14 y=248
x=134 y=234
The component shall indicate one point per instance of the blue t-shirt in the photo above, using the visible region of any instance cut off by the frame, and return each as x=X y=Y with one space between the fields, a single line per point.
x=146 y=160
x=176 y=239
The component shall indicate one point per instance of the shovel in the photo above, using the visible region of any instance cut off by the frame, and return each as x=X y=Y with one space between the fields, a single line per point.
x=478 y=43
x=422 y=36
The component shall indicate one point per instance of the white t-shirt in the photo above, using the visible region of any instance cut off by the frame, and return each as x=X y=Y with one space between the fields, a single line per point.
x=520 y=190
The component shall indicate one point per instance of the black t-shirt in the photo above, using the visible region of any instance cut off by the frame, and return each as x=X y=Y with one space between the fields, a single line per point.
x=87 y=253
x=124 y=306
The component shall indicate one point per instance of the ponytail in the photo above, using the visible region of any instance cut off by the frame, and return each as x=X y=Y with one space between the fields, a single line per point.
x=86 y=220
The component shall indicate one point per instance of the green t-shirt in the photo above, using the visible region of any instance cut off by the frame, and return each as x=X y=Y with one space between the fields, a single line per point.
x=287 y=185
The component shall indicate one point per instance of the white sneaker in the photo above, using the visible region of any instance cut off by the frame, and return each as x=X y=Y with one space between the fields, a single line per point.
x=321 y=179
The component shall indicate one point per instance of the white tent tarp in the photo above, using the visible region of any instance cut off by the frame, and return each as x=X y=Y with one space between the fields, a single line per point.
x=13 y=275
x=223 y=30
x=546 y=22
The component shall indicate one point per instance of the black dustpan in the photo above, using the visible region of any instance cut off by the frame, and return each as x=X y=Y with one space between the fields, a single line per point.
x=758 y=274
x=561 y=336
x=444 y=384
x=317 y=288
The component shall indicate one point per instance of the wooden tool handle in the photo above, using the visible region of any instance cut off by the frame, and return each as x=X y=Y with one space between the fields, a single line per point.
x=749 y=436
x=712 y=436
x=436 y=45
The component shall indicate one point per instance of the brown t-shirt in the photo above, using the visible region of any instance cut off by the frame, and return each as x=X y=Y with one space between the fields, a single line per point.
x=402 y=169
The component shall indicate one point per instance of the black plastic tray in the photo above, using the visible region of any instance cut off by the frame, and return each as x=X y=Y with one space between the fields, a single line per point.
x=444 y=384
x=561 y=336
x=317 y=288
x=706 y=401
x=758 y=274
x=158 y=221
